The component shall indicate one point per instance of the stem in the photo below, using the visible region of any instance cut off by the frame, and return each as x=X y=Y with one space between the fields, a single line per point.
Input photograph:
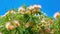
x=17 y=30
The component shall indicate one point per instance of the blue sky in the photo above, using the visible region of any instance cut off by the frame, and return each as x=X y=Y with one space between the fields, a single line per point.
x=48 y=6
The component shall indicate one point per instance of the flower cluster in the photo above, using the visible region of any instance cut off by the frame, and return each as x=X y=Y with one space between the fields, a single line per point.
x=56 y=15
x=29 y=20
x=29 y=10
x=10 y=26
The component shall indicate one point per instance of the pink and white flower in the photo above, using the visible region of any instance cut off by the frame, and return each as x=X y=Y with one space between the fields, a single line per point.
x=16 y=23
x=34 y=6
x=13 y=12
x=37 y=6
x=21 y=9
x=56 y=15
x=30 y=8
x=9 y=26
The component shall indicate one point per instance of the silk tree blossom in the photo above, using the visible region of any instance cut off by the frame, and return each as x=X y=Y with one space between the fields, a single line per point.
x=9 y=26
x=13 y=12
x=16 y=23
x=30 y=8
x=37 y=6
x=27 y=25
x=45 y=23
x=56 y=15
x=21 y=10
x=34 y=6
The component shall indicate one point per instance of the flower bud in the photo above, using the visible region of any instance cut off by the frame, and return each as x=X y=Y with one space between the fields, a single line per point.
x=27 y=25
x=56 y=15
x=37 y=6
x=16 y=23
x=13 y=12
x=9 y=26
x=21 y=10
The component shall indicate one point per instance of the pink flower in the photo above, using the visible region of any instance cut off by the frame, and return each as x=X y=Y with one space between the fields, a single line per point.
x=37 y=6
x=16 y=23
x=21 y=9
x=30 y=8
x=56 y=15
x=13 y=12
x=9 y=26
x=34 y=6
